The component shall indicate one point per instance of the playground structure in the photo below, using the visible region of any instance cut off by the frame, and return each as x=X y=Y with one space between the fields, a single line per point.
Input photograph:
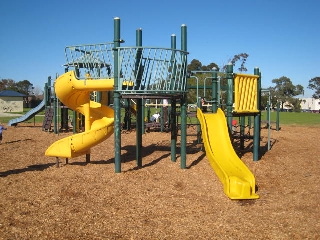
x=138 y=73
x=142 y=73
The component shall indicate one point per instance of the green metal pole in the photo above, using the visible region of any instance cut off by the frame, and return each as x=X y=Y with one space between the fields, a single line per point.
x=268 y=113
x=229 y=95
x=173 y=111
x=173 y=65
x=199 y=105
x=116 y=98
x=77 y=123
x=162 y=117
x=74 y=121
x=55 y=113
x=269 y=120
x=49 y=91
x=140 y=120
x=257 y=119
x=242 y=126
x=183 y=163
x=278 y=117
x=127 y=114
x=183 y=103
x=98 y=93
x=45 y=95
x=173 y=129
x=214 y=84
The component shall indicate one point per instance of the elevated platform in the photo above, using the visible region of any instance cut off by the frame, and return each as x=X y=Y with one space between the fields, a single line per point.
x=143 y=72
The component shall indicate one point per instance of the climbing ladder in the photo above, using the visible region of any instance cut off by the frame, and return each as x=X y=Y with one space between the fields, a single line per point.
x=46 y=125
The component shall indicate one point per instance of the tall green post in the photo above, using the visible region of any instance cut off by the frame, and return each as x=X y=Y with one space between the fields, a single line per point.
x=173 y=129
x=173 y=109
x=116 y=100
x=278 y=117
x=183 y=163
x=229 y=94
x=214 y=84
x=55 y=113
x=140 y=120
x=242 y=124
x=47 y=92
x=257 y=119
x=45 y=95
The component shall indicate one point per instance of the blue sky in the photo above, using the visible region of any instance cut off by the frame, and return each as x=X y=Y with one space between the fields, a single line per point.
x=282 y=37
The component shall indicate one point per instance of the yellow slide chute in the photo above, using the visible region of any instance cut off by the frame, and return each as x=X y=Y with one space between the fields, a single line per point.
x=237 y=179
x=99 y=119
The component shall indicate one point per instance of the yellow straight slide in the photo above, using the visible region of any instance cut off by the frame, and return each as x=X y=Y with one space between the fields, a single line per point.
x=237 y=179
x=99 y=119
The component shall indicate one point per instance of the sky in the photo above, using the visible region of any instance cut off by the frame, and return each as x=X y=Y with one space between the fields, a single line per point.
x=282 y=37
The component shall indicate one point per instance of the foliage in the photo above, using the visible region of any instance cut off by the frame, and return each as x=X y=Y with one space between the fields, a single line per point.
x=199 y=75
x=264 y=100
x=238 y=57
x=201 y=80
x=24 y=87
x=285 y=91
x=314 y=84
x=196 y=65
x=7 y=84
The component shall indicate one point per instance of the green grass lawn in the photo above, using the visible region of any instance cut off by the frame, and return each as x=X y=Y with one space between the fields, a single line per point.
x=290 y=118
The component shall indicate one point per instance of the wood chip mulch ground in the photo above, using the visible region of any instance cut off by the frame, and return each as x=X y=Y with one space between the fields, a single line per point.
x=83 y=200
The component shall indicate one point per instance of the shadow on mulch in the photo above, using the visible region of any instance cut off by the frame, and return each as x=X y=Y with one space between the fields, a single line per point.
x=249 y=147
x=130 y=155
x=20 y=140
x=36 y=167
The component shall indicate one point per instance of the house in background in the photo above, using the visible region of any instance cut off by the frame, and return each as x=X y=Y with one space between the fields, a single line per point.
x=311 y=104
x=11 y=101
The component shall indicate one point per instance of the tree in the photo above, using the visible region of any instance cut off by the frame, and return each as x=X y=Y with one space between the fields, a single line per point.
x=238 y=57
x=314 y=84
x=284 y=91
x=7 y=84
x=203 y=78
x=210 y=67
x=38 y=92
x=195 y=65
x=24 y=87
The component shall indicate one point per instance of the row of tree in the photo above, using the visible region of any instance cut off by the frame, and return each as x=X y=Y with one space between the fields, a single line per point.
x=24 y=87
x=33 y=94
x=284 y=91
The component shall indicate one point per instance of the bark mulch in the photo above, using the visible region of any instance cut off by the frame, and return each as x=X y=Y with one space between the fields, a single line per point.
x=83 y=200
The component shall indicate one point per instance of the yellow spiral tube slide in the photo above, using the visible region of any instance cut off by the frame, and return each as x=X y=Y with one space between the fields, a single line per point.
x=99 y=119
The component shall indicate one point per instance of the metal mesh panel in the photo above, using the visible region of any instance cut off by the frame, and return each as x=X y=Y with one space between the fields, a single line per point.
x=93 y=59
x=142 y=70
x=151 y=70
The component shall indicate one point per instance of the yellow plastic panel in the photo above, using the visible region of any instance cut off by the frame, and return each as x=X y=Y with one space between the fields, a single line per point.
x=246 y=93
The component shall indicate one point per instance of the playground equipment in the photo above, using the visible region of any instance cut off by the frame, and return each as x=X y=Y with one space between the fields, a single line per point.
x=141 y=73
x=243 y=91
x=99 y=119
x=136 y=73
x=242 y=99
x=238 y=181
